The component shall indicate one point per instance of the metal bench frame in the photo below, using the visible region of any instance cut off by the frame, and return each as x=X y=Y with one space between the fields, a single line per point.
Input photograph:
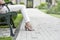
x=8 y=19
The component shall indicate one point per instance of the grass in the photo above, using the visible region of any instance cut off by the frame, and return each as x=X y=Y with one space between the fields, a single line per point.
x=55 y=15
x=5 y=38
x=45 y=10
x=16 y=21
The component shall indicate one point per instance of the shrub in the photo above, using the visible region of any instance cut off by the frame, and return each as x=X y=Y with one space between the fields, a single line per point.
x=22 y=3
x=55 y=9
x=52 y=10
x=6 y=0
x=42 y=6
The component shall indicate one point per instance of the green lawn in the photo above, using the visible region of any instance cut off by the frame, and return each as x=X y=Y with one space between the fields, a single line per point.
x=55 y=15
x=16 y=21
x=5 y=38
x=45 y=10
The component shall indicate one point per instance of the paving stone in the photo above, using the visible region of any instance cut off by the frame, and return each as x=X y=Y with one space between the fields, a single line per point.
x=46 y=26
x=5 y=32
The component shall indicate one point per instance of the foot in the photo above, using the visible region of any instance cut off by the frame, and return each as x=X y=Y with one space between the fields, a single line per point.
x=28 y=27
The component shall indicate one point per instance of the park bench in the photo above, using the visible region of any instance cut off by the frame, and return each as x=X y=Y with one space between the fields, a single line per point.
x=8 y=19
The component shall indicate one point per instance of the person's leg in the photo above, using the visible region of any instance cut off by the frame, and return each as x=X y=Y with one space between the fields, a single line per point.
x=24 y=13
x=23 y=10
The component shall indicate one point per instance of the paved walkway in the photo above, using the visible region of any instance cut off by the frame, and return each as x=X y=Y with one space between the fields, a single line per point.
x=46 y=27
x=5 y=32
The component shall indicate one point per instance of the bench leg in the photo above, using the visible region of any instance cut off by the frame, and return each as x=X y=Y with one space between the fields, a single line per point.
x=12 y=23
x=11 y=29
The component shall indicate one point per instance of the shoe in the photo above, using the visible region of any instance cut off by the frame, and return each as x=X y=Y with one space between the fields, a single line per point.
x=28 y=28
